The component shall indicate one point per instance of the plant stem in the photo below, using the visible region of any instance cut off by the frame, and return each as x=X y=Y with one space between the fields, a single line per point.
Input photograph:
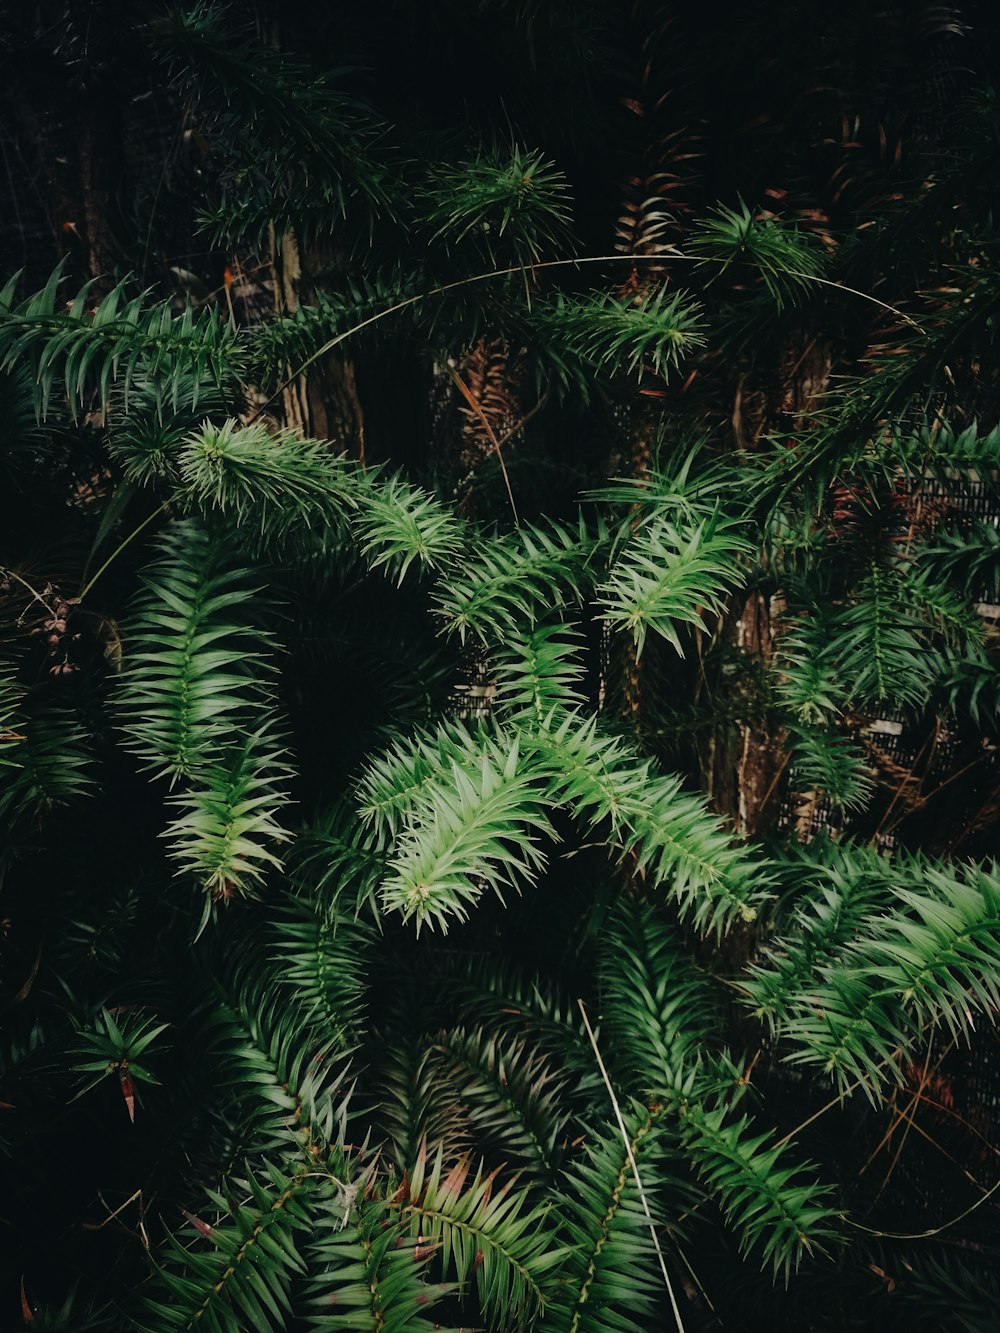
x=121 y=547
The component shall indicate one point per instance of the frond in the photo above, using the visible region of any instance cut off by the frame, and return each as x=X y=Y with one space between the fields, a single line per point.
x=969 y=683
x=941 y=953
x=669 y=574
x=776 y=1210
x=474 y=830
x=513 y=1095
x=354 y=307
x=272 y=484
x=74 y=1314
x=945 y=1288
x=323 y=957
x=969 y=559
x=499 y=999
x=53 y=766
x=511 y=581
x=843 y=1027
x=11 y=721
x=146 y=432
x=299 y=150
x=400 y=525
x=620 y=335
x=786 y=260
x=193 y=661
x=233 y=1269
x=276 y=1070
x=687 y=486
x=657 y=1010
x=79 y=353
x=496 y=1235
x=227 y=826
x=839 y=893
x=666 y=833
x=879 y=646
x=947 y=612
x=366 y=1275
x=931 y=962
x=332 y=856
x=416 y=1104
x=393 y=784
x=830 y=763
x=610 y=1278
x=539 y=671
x=809 y=681
x=510 y=203
x=121 y=1046
x=943 y=450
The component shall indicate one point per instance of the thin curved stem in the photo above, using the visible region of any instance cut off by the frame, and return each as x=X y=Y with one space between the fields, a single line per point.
x=121 y=547
x=635 y=1169
x=536 y=267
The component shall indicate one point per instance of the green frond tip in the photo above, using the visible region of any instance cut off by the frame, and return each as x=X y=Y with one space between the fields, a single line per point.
x=623 y=335
x=195 y=669
x=669 y=836
x=671 y=574
x=228 y=824
x=400 y=525
x=273 y=484
x=507 y=202
x=498 y=1236
x=507 y=583
x=475 y=829
x=393 y=783
x=786 y=260
x=776 y=1210
x=119 y=1045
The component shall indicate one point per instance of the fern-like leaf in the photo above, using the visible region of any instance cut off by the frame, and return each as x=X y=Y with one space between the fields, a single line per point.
x=538 y=672
x=233 y=1271
x=669 y=575
x=472 y=831
x=82 y=351
x=367 y=1275
x=512 y=580
x=514 y=1097
x=227 y=827
x=495 y=1236
x=610 y=1280
x=775 y=1208
x=658 y=1011
x=400 y=525
x=194 y=667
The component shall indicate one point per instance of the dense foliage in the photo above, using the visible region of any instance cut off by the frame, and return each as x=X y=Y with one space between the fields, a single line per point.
x=524 y=860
